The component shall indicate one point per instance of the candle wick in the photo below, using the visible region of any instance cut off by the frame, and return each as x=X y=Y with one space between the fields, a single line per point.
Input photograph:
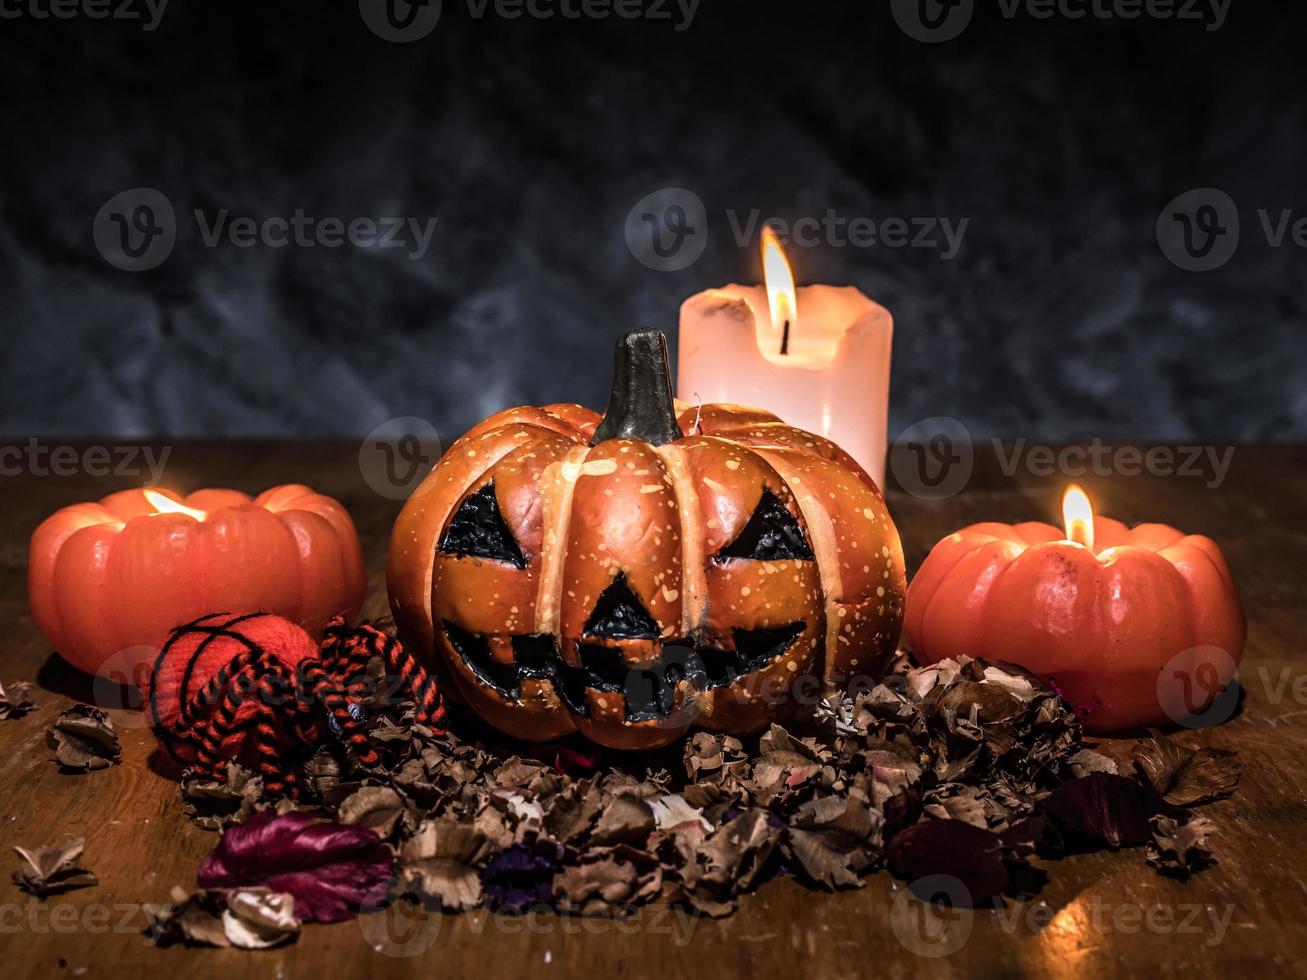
x=785 y=339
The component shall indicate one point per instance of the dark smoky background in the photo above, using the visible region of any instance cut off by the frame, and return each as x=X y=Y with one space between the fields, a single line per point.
x=1060 y=141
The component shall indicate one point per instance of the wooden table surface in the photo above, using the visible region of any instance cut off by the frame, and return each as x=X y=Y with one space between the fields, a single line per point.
x=1099 y=915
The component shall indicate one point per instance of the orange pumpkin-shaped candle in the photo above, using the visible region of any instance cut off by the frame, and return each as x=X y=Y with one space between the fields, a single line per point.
x=106 y=580
x=630 y=575
x=1135 y=626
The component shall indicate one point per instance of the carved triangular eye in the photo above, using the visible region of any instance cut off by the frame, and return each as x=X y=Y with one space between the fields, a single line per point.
x=620 y=615
x=772 y=534
x=478 y=530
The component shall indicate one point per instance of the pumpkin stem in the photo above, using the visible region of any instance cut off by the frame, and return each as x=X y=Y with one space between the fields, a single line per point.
x=641 y=405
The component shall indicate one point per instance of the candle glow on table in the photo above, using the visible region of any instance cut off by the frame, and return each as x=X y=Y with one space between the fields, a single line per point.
x=1135 y=626
x=818 y=357
x=107 y=580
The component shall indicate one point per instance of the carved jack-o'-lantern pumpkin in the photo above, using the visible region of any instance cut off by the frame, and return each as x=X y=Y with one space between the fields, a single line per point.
x=631 y=576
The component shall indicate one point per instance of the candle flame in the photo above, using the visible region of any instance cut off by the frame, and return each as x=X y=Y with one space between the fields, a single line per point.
x=779 y=280
x=164 y=504
x=1078 y=517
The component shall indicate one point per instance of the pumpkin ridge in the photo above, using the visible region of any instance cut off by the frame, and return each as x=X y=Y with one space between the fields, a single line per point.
x=694 y=578
x=821 y=535
x=429 y=554
x=556 y=521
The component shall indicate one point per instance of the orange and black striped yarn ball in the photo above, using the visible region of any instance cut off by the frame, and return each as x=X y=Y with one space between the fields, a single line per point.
x=256 y=689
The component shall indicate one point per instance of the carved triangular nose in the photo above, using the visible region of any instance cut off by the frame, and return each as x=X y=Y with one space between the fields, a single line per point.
x=620 y=615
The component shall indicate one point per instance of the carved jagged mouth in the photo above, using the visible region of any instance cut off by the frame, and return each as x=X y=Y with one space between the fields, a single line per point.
x=648 y=690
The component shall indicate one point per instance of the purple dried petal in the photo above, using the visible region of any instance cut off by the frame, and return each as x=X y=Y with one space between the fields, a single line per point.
x=331 y=869
x=969 y=855
x=519 y=878
x=902 y=810
x=1104 y=807
x=575 y=762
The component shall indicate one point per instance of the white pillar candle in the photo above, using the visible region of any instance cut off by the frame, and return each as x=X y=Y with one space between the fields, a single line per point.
x=833 y=378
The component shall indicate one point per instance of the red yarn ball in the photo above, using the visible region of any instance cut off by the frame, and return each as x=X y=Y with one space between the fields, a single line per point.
x=193 y=654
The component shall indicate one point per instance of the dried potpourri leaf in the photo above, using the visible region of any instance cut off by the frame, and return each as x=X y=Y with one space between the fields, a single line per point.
x=442 y=863
x=1088 y=761
x=1184 y=776
x=781 y=775
x=521 y=877
x=625 y=820
x=1179 y=847
x=244 y=918
x=16 y=700
x=731 y=861
x=891 y=770
x=213 y=805
x=957 y=801
x=712 y=758
x=330 y=868
x=329 y=778
x=973 y=857
x=386 y=732
x=52 y=868
x=834 y=841
x=671 y=811
x=194 y=919
x=980 y=741
x=574 y=811
x=494 y=826
x=519 y=774
x=258 y=918
x=378 y=808
x=83 y=739
x=600 y=882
